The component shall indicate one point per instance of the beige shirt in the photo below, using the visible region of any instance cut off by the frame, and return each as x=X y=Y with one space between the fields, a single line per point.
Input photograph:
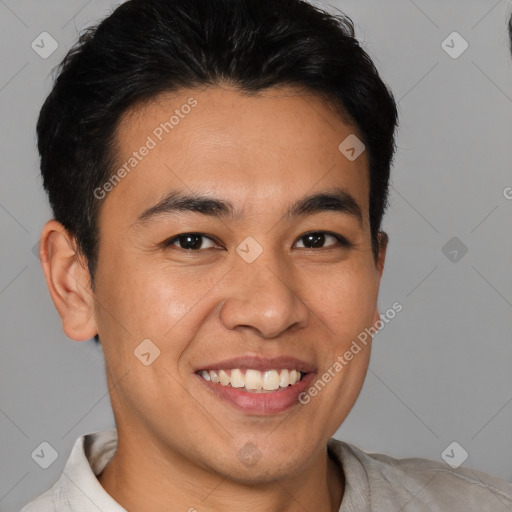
x=373 y=483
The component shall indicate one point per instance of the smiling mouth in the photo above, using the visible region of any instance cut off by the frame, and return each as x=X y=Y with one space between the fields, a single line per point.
x=253 y=381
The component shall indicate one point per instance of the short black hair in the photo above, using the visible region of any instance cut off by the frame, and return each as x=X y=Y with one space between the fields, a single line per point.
x=510 y=32
x=148 y=47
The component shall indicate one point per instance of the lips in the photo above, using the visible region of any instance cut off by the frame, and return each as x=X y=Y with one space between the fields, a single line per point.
x=257 y=385
x=260 y=363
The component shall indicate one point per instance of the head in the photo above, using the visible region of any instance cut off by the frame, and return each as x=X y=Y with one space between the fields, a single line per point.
x=226 y=123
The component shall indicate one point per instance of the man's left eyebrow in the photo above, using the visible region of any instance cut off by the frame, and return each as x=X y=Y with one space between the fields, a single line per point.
x=338 y=200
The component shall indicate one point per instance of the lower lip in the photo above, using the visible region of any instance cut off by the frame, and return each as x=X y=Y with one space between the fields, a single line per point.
x=260 y=403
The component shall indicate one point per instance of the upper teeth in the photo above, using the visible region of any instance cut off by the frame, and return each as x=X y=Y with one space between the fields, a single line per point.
x=253 y=379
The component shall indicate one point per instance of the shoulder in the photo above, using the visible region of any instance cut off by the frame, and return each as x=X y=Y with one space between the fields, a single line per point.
x=78 y=487
x=430 y=484
x=44 y=503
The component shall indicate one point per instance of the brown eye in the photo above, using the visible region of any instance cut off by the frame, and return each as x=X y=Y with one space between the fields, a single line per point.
x=318 y=239
x=190 y=242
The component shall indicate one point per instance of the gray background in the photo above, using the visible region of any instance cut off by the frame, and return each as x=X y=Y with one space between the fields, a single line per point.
x=441 y=371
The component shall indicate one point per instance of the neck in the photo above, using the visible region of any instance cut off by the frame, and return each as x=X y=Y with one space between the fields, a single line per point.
x=139 y=478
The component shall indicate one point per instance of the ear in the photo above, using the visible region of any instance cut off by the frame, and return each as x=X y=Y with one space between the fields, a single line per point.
x=68 y=281
x=379 y=265
x=381 y=258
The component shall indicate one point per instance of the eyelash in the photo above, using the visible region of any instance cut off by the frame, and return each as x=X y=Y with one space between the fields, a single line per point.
x=342 y=241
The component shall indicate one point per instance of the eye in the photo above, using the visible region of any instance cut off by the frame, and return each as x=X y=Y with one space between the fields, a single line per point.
x=190 y=241
x=317 y=239
x=313 y=240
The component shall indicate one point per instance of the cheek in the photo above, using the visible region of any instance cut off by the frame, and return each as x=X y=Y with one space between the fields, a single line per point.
x=164 y=305
x=144 y=301
x=345 y=299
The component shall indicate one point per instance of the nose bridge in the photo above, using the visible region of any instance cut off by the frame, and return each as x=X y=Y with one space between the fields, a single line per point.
x=262 y=295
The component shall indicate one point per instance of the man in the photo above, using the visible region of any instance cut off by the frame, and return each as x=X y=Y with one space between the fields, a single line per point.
x=218 y=172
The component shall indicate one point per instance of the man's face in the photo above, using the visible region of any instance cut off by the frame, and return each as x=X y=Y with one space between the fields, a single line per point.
x=258 y=283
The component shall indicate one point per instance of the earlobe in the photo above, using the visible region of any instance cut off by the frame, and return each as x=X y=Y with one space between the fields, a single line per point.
x=383 y=244
x=68 y=281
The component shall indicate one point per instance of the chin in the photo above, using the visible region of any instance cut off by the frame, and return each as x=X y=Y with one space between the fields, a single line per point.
x=249 y=464
x=260 y=474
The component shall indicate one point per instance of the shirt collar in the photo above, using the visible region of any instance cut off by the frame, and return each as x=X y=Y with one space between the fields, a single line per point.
x=79 y=488
x=356 y=495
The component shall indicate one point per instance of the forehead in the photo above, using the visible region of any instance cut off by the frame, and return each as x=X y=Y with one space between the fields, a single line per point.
x=272 y=146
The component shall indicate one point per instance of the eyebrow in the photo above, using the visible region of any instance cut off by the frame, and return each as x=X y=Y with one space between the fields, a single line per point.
x=338 y=200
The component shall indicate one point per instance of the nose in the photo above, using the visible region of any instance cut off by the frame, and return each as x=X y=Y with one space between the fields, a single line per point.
x=263 y=296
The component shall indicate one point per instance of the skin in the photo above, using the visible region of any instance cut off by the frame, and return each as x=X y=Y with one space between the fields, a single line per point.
x=178 y=444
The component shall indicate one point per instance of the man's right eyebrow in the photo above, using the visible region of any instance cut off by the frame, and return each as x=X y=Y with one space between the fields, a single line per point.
x=179 y=201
